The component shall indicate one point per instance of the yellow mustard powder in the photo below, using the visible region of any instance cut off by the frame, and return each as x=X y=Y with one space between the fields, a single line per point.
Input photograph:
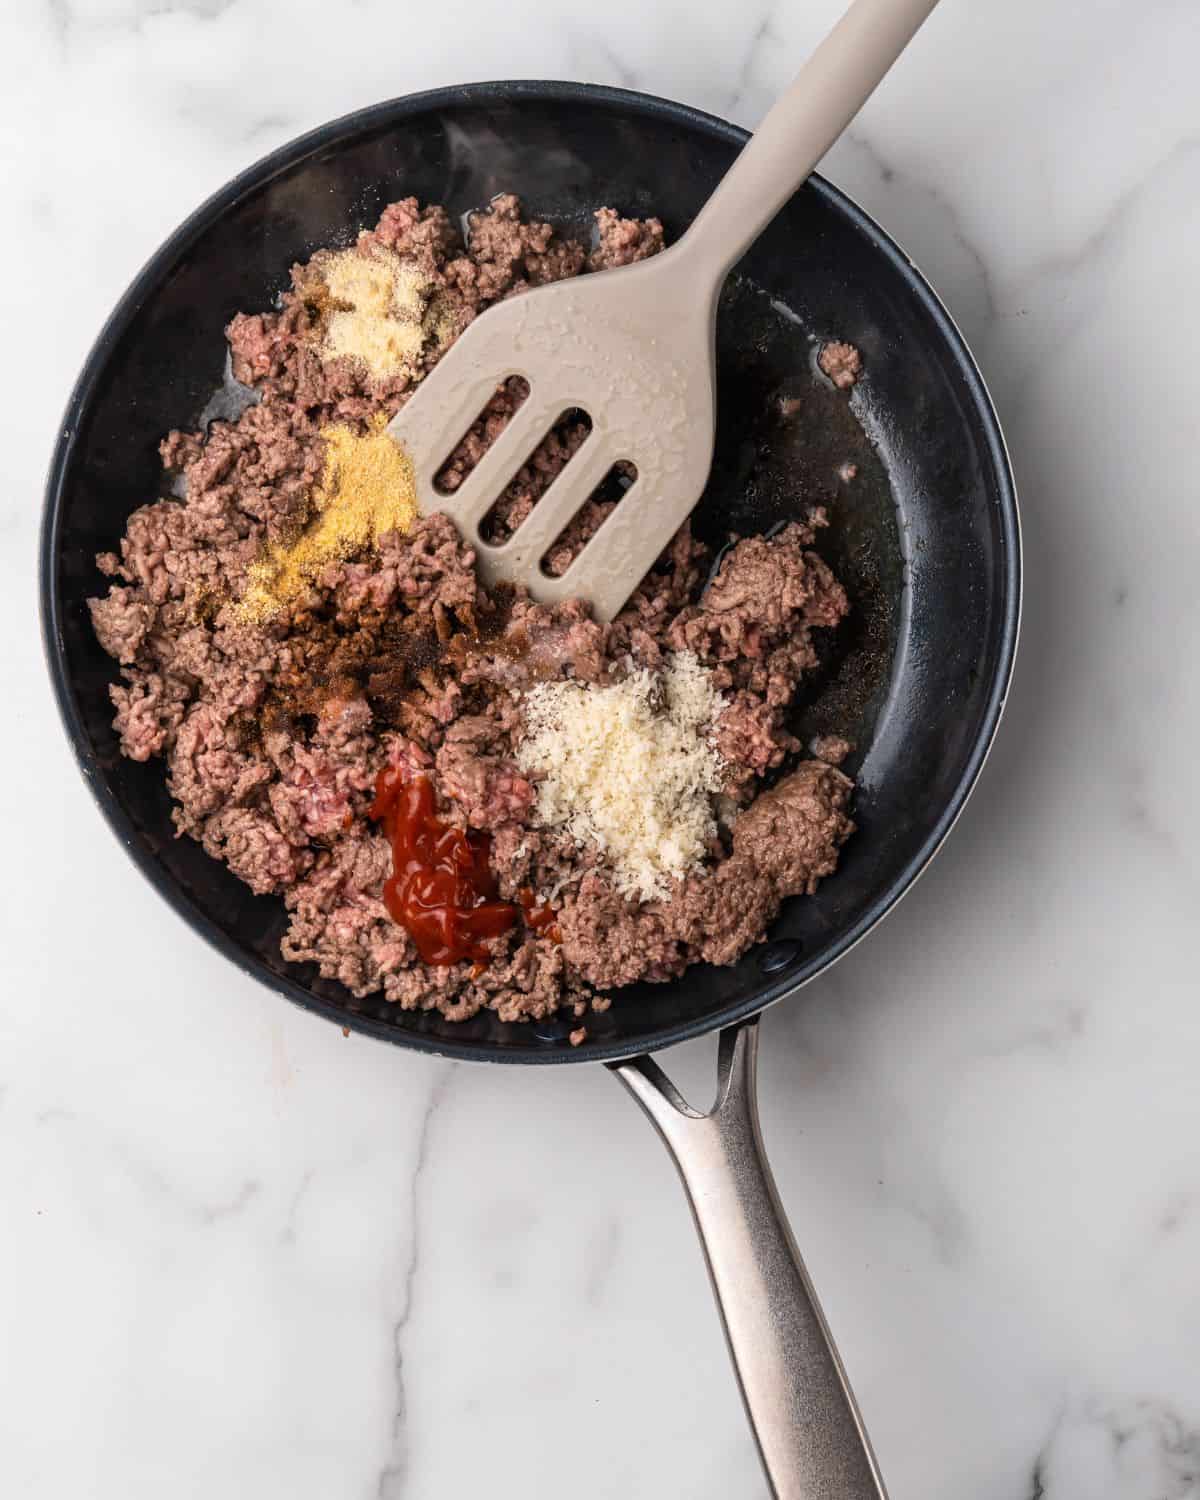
x=367 y=488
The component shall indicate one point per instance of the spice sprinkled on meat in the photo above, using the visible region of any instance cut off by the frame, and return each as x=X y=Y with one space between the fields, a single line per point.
x=464 y=799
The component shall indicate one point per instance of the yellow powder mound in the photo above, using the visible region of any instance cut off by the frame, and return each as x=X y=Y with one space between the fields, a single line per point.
x=384 y=345
x=381 y=321
x=366 y=488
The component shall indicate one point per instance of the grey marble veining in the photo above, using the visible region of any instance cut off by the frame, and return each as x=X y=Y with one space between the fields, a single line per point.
x=241 y=1256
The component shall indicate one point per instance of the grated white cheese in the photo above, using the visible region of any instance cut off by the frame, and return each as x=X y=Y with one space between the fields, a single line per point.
x=628 y=769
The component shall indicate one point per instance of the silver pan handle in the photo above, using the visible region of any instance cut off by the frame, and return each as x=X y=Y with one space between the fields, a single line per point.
x=807 y=1426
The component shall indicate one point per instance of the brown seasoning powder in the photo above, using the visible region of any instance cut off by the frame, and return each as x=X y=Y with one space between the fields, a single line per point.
x=366 y=488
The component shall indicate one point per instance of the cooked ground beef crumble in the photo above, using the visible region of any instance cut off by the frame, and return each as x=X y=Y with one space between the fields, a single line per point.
x=274 y=733
x=841 y=363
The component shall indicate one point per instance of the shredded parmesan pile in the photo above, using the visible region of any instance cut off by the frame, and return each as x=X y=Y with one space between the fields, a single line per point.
x=628 y=769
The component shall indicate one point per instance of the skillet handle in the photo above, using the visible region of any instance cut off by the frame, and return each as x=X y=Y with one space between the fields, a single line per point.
x=808 y=1429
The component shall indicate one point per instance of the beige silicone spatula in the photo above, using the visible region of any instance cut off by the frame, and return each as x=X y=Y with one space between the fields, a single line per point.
x=634 y=349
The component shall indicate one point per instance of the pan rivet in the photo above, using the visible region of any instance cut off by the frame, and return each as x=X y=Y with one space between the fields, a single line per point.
x=777 y=956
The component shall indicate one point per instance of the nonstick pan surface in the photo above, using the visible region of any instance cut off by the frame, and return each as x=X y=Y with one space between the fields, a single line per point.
x=925 y=537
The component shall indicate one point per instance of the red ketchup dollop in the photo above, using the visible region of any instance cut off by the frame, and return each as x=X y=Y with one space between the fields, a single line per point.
x=539 y=918
x=441 y=889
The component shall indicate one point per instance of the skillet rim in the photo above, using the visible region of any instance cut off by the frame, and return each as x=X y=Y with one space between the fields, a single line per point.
x=150 y=277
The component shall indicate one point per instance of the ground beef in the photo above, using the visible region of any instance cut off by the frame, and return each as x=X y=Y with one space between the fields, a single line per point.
x=754 y=626
x=842 y=363
x=619 y=242
x=273 y=734
x=474 y=770
x=831 y=748
x=122 y=621
x=784 y=844
x=512 y=253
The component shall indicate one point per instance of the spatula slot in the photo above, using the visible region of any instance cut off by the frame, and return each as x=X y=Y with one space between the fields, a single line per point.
x=588 y=519
x=499 y=411
x=549 y=458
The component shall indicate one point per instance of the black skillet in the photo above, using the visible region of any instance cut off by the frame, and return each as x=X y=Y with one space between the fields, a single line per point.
x=925 y=536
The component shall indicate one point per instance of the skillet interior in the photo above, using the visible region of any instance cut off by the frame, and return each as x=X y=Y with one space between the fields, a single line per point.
x=925 y=537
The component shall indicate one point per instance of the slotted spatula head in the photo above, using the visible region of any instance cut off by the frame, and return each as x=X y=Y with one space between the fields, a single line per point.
x=633 y=348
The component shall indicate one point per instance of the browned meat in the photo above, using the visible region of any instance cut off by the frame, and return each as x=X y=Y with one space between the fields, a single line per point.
x=831 y=748
x=485 y=784
x=122 y=621
x=792 y=833
x=754 y=624
x=273 y=734
x=842 y=363
x=619 y=242
x=784 y=844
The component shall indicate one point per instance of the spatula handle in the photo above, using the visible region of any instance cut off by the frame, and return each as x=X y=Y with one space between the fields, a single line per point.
x=829 y=91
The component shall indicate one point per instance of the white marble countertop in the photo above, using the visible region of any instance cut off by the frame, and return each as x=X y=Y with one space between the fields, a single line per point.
x=240 y=1256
